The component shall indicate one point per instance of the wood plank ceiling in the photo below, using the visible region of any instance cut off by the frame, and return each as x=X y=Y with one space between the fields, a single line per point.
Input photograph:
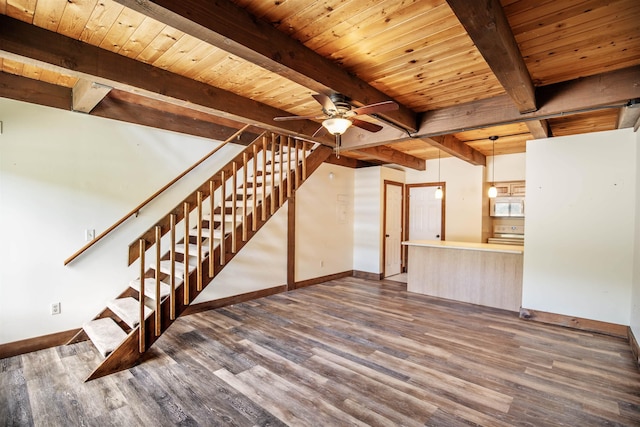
x=461 y=71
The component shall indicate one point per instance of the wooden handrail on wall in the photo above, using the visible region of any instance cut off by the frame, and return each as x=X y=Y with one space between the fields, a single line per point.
x=137 y=209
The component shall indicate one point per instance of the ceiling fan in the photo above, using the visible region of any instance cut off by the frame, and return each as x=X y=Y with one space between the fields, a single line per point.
x=339 y=115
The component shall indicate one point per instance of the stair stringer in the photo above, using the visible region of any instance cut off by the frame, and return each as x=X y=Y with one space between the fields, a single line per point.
x=128 y=354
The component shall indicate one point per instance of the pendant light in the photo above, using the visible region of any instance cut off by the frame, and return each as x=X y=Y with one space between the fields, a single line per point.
x=493 y=191
x=439 y=193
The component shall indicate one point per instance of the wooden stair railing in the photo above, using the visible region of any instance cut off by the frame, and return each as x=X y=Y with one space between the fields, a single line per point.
x=137 y=209
x=259 y=181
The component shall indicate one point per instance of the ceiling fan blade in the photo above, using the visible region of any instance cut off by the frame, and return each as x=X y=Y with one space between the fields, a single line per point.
x=320 y=132
x=378 y=107
x=282 y=119
x=371 y=127
x=326 y=102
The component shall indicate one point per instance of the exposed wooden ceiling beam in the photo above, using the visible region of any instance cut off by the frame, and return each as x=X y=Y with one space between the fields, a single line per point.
x=607 y=90
x=602 y=91
x=33 y=45
x=356 y=140
x=115 y=108
x=457 y=148
x=34 y=91
x=391 y=155
x=112 y=107
x=539 y=128
x=490 y=31
x=229 y=27
x=87 y=94
x=29 y=44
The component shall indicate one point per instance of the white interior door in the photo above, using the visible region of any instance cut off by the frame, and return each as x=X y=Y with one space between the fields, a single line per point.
x=425 y=214
x=393 y=230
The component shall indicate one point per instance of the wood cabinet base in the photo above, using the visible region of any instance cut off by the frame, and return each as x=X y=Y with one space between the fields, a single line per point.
x=493 y=279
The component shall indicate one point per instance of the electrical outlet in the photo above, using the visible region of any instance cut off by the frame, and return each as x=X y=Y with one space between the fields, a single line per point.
x=89 y=234
x=55 y=308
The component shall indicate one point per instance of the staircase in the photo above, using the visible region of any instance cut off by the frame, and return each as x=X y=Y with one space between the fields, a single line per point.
x=190 y=245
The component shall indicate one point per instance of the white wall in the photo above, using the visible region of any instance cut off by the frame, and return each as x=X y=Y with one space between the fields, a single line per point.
x=508 y=167
x=580 y=222
x=635 y=288
x=367 y=220
x=261 y=264
x=368 y=216
x=62 y=173
x=464 y=184
x=324 y=223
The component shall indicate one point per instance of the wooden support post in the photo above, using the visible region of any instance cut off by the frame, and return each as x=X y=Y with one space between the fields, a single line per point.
x=245 y=165
x=254 y=197
x=172 y=225
x=234 y=203
x=199 y=243
x=185 y=286
x=141 y=249
x=212 y=209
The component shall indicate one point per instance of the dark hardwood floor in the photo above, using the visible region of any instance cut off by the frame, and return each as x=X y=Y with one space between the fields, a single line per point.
x=346 y=352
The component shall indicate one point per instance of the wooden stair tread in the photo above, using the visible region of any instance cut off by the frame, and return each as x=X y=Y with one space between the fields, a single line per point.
x=150 y=287
x=206 y=233
x=193 y=248
x=165 y=267
x=105 y=334
x=218 y=217
x=128 y=309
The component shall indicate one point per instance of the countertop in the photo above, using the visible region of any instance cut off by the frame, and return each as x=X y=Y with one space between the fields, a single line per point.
x=489 y=247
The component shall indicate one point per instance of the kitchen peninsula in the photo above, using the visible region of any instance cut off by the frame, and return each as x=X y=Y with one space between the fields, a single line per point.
x=478 y=273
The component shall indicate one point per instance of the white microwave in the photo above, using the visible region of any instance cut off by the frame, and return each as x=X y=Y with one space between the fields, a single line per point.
x=507 y=207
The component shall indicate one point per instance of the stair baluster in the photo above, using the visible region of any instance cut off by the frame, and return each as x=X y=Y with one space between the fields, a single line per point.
x=212 y=210
x=185 y=260
x=234 y=206
x=158 y=328
x=273 y=174
x=296 y=172
x=245 y=166
x=281 y=170
x=254 y=198
x=199 y=244
x=288 y=166
x=223 y=218
x=264 y=183
x=141 y=332
x=172 y=267
x=304 y=160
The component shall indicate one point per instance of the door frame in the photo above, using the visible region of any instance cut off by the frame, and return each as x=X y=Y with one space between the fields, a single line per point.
x=384 y=225
x=408 y=188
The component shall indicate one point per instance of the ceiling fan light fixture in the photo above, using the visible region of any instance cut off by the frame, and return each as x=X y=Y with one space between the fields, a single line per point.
x=336 y=125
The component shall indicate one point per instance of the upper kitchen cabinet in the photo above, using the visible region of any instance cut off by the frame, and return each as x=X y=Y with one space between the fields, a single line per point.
x=510 y=189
